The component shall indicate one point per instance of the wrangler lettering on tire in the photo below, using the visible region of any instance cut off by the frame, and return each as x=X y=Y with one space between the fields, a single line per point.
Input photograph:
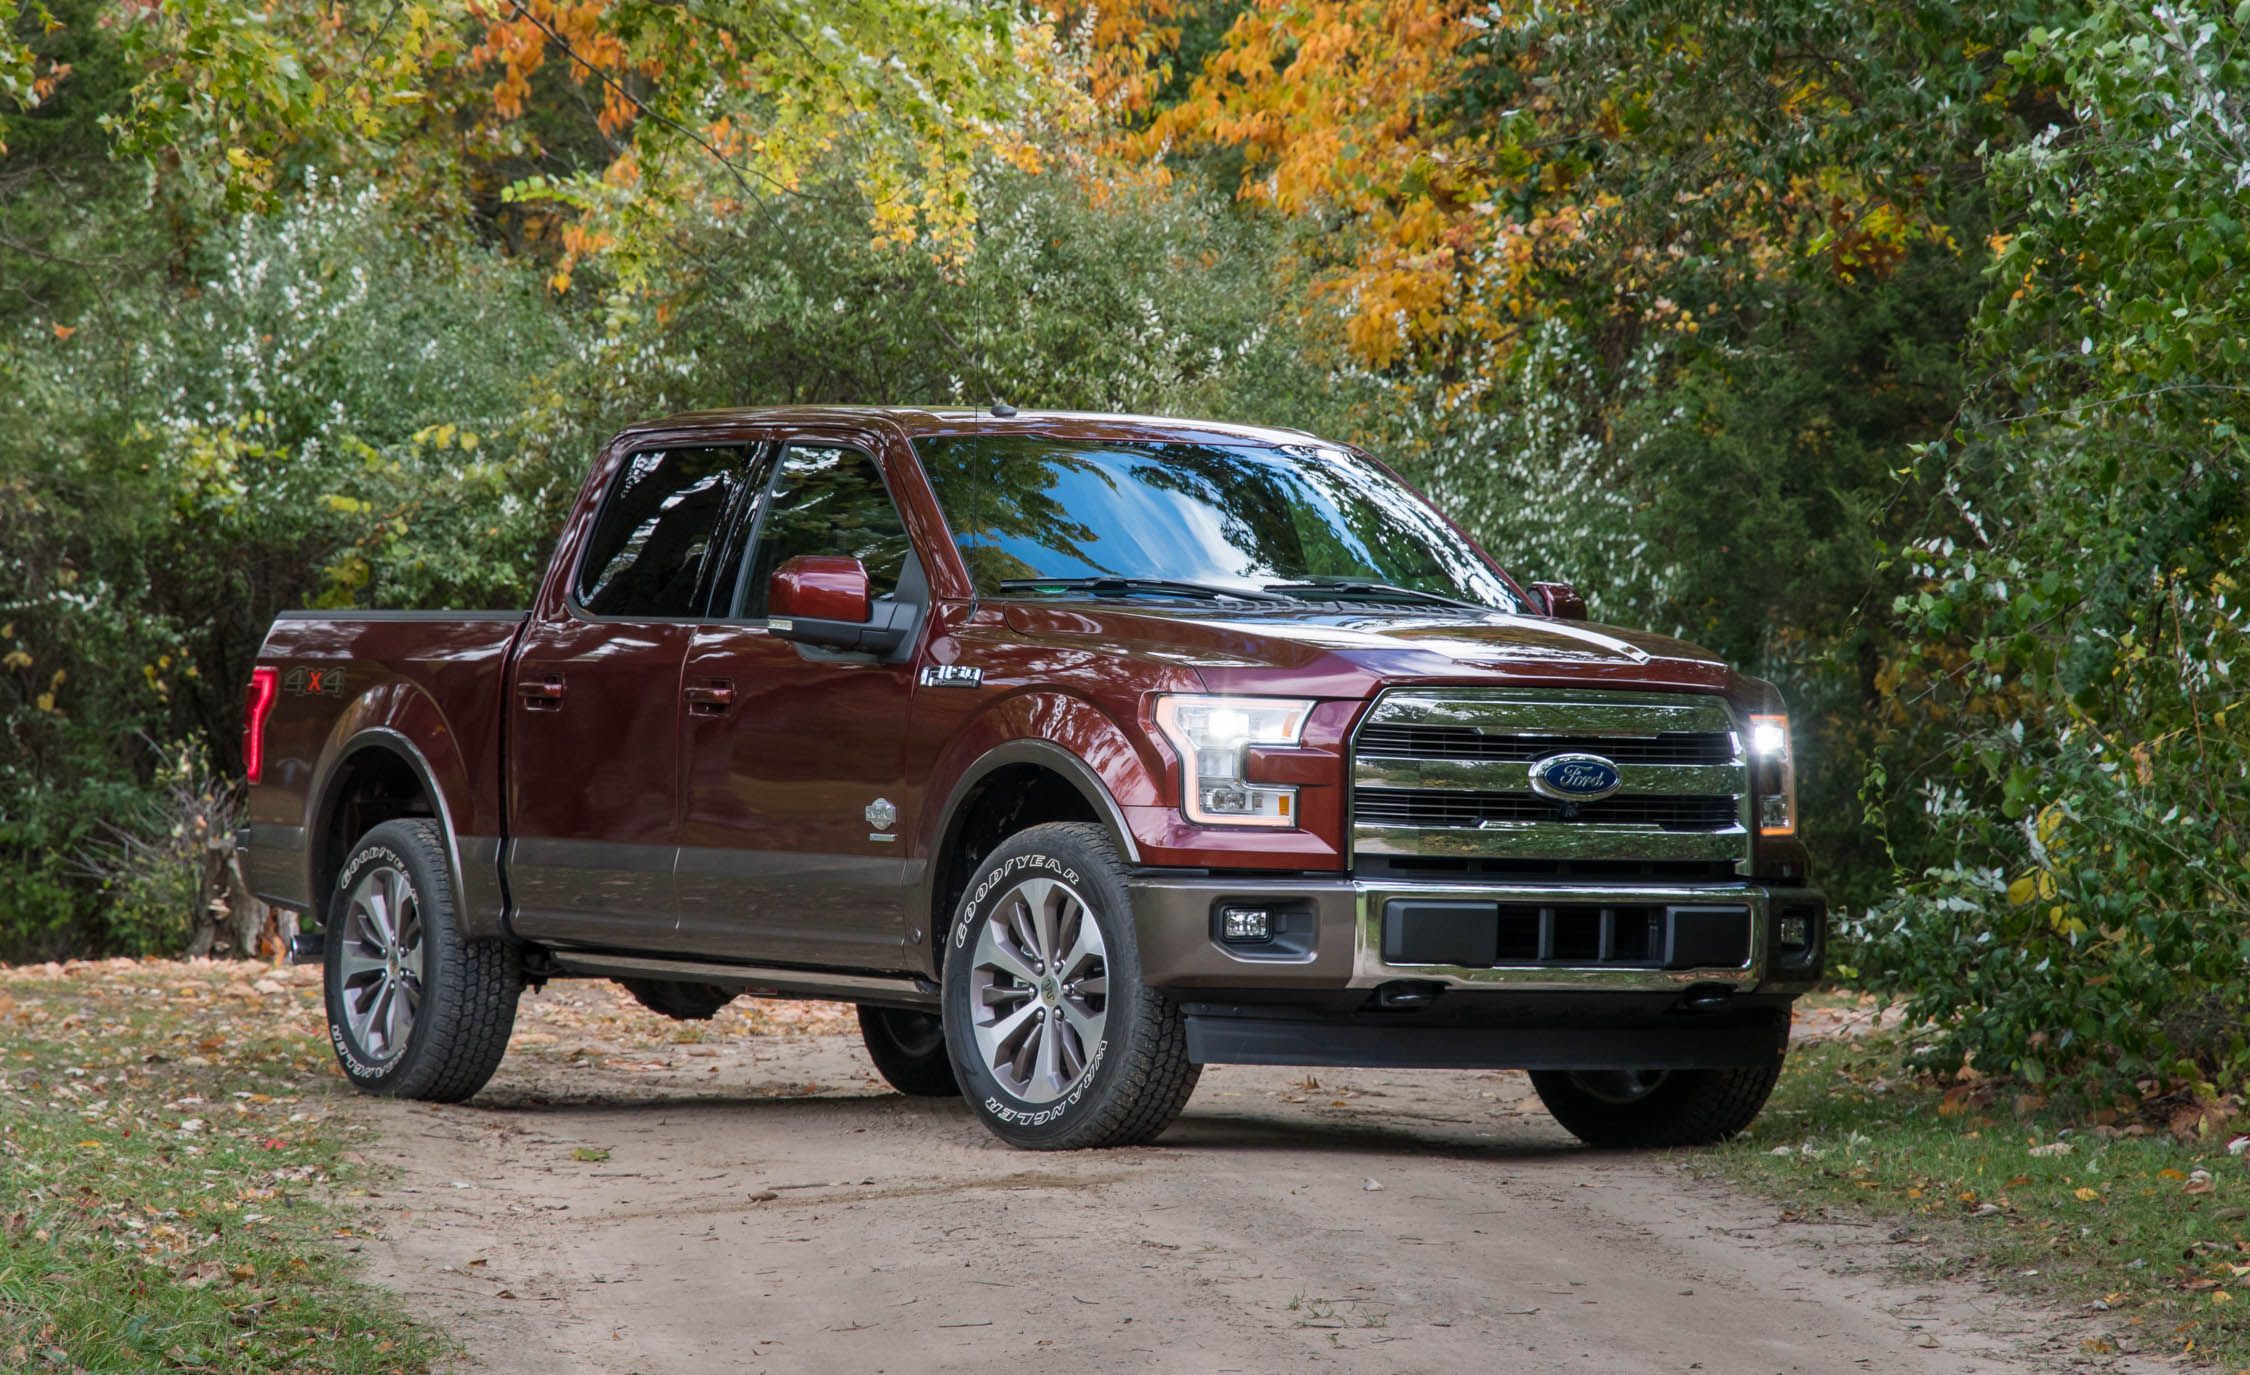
x=414 y=1010
x=1053 y=1035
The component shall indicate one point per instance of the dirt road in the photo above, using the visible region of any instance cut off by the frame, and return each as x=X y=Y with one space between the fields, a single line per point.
x=626 y=1198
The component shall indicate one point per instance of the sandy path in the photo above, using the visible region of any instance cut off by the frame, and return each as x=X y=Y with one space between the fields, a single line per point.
x=765 y=1204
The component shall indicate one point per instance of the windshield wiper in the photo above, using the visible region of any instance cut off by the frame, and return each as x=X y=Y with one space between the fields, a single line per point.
x=1353 y=587
x=1117 y=585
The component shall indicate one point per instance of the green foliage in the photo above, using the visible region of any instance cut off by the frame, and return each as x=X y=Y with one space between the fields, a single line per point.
x=2080 y=610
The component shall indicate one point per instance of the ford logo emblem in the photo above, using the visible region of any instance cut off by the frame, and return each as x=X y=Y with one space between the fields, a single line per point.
x=1575 y=777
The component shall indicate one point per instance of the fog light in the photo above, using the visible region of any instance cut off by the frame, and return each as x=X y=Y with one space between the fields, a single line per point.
x=1796 y=933
x=1245 y=925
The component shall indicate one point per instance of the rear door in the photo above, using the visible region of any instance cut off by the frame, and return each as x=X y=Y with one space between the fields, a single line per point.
x=595 y=704
x=793 y=756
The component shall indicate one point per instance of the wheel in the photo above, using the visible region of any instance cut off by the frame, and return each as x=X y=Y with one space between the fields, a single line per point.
x=1053 y=1036
x=1641 y=1108
x=682 y=1002
x=908 y=1049
x=414 y=1010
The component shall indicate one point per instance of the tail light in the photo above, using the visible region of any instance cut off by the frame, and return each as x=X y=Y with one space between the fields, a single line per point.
x=265 y=685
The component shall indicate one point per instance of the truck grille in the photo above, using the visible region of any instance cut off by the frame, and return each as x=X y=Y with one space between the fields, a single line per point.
x=1444 y=773
x=1466 y=742
x=1402 y=807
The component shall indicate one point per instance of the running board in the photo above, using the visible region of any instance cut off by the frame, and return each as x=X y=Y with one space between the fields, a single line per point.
x=758 y=980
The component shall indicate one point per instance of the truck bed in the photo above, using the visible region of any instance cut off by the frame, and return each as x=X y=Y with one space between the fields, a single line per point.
x=422 y=691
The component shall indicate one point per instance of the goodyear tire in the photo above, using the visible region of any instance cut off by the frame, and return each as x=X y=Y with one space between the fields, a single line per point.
x=682 y=1002
x=414 y=1010
x=908 y=1049
x=1056 y=1043
x=1636 y=1109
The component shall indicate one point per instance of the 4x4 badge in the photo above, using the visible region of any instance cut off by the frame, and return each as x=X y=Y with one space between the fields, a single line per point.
x=952 y=675
x=881 y=814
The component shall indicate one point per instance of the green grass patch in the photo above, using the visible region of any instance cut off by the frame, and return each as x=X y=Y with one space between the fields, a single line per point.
x=2132 y=1218
x=173 y=1165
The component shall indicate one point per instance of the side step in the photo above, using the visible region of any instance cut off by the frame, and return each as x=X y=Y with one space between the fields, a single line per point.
x=762 y=981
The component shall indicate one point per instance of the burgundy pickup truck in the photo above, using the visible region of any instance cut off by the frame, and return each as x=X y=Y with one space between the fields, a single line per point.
x=1078 y=751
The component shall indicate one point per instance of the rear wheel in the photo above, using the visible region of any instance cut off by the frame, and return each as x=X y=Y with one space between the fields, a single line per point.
x=1054 y=1038
x=1643 y=1108
x=682 y=1002
x=414 y=1010
x=908 y=1049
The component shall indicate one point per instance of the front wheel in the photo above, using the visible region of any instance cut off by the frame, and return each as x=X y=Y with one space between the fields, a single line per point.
x=1645 y=1108
x=1054 y=1038
x=414 y=1010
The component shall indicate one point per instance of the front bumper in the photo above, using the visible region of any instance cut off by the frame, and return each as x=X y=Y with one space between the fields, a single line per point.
x=1342 y=935
x=1578 y=977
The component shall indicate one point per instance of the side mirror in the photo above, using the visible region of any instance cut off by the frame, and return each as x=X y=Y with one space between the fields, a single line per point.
x=823 y=599
x=1559 y=600
x=819 y=587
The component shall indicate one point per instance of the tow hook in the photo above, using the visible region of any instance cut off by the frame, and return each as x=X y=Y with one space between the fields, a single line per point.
x=1706 y=997
x=1402 y=995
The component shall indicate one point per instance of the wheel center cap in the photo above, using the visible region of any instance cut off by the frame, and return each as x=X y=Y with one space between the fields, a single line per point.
x=1050 y=992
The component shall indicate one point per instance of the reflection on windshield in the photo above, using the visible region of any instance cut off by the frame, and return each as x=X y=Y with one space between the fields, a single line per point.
x=1245 y=516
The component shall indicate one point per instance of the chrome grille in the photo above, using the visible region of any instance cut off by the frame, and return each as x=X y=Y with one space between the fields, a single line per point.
x=1448 y=807
x=1445 y=773
x=1464 y=742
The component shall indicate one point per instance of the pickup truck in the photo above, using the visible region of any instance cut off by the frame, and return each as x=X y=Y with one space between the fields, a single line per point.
x=1078 y=751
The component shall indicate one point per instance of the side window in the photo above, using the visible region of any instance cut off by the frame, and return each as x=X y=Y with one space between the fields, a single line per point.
x=827 y=500
x=656 y=527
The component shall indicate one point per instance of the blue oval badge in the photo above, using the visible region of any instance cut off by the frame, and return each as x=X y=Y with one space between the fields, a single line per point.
x=1575 y=777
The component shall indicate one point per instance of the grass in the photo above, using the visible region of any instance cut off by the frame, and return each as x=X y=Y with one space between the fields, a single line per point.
x=171 y=1176
x=2144 y=1227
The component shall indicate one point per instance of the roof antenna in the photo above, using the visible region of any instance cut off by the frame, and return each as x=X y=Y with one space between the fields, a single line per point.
x=1002 y=410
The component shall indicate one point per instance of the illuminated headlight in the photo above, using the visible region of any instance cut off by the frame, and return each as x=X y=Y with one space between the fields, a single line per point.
x=1773 y=770
x=1214 y=736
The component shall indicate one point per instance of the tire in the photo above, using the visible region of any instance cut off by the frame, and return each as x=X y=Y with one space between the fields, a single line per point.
x=1086 y=1058
x=682 y=1002
x=414 y=1010
x=908 y=1049
x=1637 y=1109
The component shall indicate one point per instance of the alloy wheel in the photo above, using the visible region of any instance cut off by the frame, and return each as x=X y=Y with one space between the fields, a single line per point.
x=381 y=964
x=1039 y=990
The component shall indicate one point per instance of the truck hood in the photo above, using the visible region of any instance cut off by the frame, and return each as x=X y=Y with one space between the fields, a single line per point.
x=1347 y=654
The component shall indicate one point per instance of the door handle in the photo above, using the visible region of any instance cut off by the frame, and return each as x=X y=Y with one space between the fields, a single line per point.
x=711 y=698
x=540 y=692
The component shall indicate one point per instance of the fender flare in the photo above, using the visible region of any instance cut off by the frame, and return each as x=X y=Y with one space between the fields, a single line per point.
x=478 y=918
x=1055 y=759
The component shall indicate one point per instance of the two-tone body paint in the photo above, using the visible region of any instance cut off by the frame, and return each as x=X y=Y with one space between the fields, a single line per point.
x=768 y=796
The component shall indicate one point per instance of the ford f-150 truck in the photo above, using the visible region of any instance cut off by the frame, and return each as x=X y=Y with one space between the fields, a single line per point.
x=1078 y=751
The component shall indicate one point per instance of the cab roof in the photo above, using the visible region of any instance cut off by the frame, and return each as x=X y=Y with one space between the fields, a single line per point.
x=914 y=422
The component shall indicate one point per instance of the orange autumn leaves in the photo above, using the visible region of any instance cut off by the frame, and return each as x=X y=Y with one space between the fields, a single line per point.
x=1473 y=175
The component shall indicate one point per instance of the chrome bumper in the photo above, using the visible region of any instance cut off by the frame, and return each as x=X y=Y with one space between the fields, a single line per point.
x=1332 y=935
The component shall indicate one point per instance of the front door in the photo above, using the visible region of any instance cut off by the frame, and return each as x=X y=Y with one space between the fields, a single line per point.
x=793 y=758
x=593 y=741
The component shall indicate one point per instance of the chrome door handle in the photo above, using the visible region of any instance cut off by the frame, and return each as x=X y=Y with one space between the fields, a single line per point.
x=540 y=692
x=710 y=697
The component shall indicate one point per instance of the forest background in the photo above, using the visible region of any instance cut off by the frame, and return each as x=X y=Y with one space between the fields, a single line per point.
x=1898 y=351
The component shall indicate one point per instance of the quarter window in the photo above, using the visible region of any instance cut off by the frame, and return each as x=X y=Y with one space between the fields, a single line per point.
x=648 y=549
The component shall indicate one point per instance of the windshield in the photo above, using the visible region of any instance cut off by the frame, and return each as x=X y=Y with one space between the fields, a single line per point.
x=1243 y=517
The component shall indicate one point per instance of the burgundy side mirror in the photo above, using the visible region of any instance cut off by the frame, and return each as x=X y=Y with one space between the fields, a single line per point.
x=819 y=587
x=824 y=600
x=1559 y=600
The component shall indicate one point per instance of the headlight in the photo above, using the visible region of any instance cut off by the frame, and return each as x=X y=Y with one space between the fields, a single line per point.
x=1214 y=736
x=1773 y=774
